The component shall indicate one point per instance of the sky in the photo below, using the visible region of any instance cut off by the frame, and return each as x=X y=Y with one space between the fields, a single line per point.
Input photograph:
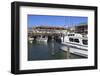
x=49 y=20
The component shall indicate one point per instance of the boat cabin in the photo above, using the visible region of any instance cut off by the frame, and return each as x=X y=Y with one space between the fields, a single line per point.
x=75 y=39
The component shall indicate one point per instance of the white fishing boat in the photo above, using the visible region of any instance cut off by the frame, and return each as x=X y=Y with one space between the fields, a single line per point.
x=42 y=38
x=77 y=44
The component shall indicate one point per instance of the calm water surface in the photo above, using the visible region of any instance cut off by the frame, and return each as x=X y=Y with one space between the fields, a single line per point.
x=48 y=51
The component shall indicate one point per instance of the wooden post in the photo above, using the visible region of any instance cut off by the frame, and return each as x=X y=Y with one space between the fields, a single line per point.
x=52 y=48
x=63 y=38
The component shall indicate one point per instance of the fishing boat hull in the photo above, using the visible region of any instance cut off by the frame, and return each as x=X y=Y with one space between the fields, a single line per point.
x=75 y=49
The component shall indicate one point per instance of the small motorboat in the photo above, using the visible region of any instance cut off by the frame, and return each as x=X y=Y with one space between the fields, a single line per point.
x=42 y=38
x=30 y=39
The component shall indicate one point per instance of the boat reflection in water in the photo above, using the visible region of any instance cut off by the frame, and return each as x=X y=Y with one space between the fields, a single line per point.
x=51 y=50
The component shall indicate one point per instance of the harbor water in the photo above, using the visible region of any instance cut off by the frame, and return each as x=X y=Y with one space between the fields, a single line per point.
x=39 y=50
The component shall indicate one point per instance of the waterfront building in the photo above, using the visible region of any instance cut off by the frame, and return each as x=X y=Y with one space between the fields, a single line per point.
x=47 y=30
x=81 y=28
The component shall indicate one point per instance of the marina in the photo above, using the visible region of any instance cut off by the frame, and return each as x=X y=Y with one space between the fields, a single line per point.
x=48 y=43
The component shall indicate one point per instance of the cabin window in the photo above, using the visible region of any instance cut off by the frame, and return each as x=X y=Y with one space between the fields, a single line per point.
x=85 y=42
x=71 y=39
x=70 y=34
x=76 y=40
